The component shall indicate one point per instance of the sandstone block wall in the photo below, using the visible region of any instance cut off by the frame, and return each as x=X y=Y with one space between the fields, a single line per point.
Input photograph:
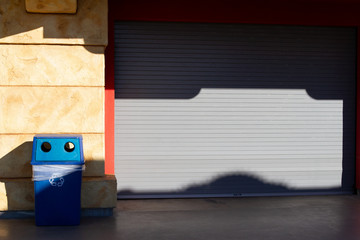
x=51 y=81
x=51 y=6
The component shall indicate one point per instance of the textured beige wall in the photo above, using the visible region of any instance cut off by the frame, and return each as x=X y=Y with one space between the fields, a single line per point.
x=51 y=81
x=51 y=6
x=88 y=26
x=26 y=111
x=51 y=109
x=51 y=65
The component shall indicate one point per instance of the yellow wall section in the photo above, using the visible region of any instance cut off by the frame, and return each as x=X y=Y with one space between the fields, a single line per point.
x=51 y=65
x=51 y=6
x=51 y=109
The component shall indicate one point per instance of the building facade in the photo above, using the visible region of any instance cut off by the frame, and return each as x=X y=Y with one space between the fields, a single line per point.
x=183 y=99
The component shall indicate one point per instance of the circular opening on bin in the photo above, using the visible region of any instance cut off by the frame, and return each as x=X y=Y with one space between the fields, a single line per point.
x=46 y=147
x=69 y=147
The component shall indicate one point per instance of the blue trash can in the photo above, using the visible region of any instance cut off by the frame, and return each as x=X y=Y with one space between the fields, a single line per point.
x=57 y=162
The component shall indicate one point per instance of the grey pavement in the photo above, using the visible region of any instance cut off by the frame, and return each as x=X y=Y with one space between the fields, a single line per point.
x=301 y=217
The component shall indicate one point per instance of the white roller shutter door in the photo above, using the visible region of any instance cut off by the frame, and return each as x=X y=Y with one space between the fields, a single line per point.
x=233 y=110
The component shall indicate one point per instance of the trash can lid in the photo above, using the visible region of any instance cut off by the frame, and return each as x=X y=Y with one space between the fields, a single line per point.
x=59 y=149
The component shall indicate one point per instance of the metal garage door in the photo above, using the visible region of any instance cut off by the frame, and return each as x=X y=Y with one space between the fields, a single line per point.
x=233 y=110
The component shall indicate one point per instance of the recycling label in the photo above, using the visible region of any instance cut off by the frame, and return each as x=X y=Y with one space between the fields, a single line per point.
x=56 y=180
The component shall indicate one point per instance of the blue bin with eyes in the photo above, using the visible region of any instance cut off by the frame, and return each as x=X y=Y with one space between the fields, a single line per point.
x=57 y=162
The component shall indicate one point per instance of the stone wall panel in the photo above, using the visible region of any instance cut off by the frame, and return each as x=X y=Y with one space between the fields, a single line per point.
x=88 y=26
x=51 y=65
x=51 y=110
x=51 y=6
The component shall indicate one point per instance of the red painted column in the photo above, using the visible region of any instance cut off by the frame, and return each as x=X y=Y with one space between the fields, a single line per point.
x=109 y=100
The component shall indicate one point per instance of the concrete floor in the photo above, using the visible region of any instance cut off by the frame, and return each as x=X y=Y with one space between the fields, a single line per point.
x=311 y=217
